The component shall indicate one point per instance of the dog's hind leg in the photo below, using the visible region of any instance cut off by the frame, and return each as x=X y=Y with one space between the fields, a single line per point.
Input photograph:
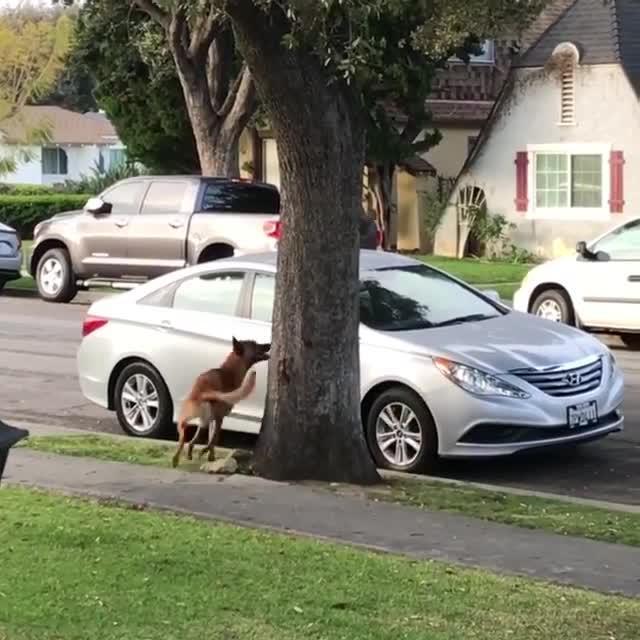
x=182 y=426
x=213 y=438
x=204 y=423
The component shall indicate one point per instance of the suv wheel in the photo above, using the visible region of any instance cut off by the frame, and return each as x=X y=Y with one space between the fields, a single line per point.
x=401 y=433
x=142 y=401
x=55 y=278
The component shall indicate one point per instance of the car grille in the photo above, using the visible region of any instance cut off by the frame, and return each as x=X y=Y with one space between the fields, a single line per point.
x=563 y=383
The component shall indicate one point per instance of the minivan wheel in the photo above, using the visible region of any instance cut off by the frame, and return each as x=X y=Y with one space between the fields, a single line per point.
x=554 y=305
x=55 y=278
x=142 y=401
x=401 y=433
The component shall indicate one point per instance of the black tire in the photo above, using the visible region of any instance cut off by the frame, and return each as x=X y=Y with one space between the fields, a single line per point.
x=161 y=423
x=67 y=289
x=426 y=457
x=631 y=340
x=558 y=298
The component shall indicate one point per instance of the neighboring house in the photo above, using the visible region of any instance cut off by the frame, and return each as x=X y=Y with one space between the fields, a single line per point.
x=77 y=143
x=560 y=150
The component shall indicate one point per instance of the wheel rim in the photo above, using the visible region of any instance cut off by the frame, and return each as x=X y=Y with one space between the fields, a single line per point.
x=51 y=276
x=140 y=403
x=550 y=310
x=399 y=434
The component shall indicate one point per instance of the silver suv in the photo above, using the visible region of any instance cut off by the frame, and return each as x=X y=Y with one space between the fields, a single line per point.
x=142 y=227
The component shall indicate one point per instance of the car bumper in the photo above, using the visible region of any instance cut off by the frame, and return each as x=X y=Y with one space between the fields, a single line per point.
x=471 y=426
x=521 y=300
x=10 y=267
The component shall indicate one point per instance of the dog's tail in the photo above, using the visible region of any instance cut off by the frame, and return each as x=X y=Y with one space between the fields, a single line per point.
x=235 y=396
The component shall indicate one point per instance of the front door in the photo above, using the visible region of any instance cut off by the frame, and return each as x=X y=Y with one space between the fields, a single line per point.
x=156 y=238
x=609 y=288
x=103 y=236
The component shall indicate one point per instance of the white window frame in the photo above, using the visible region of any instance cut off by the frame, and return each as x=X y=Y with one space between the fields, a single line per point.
x=488 y=57
x=569 y=213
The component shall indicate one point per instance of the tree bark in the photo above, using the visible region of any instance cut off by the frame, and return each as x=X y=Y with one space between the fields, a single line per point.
x=220 y=103
x=312 y=426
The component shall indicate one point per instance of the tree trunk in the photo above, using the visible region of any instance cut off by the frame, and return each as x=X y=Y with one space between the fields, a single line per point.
x=312 y=425
x=220 y=103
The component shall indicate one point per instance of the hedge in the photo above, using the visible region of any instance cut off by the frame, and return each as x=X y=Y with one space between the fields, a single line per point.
x=24 y=212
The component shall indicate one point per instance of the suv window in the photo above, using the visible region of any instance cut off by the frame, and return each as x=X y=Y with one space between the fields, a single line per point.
x=125 y=198
x=164 y=197
x=212 y=293
x=623 y=243
x=264 y=288
x=239 y=197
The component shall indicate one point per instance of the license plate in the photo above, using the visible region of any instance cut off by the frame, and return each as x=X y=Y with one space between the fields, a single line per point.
x=582 y=415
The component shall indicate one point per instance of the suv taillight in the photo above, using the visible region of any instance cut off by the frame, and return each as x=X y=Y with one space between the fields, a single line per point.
x=379 y=237
x=273 y=229
x=91 y=324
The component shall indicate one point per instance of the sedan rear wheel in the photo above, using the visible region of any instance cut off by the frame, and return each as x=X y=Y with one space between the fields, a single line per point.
x=142 y=401
x=401 y=433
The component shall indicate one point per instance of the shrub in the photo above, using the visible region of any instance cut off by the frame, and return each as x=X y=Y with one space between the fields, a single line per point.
x=24 y=212
x=26 y=190
x=97 y=181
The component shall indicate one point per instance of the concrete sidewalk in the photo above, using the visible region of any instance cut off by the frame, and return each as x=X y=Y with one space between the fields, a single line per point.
x=350 y=520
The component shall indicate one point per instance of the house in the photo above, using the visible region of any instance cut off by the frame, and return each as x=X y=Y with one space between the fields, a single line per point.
x=559 y=150
x=76 y=144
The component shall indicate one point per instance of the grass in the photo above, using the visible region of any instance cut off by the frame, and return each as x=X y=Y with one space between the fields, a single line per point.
x=478 y=272
x=75 y=569
x=529 y=512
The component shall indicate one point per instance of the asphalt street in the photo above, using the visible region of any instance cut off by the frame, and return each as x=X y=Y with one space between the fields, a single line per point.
x=38 y=384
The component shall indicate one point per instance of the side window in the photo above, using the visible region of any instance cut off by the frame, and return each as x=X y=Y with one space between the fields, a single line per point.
x=237 y=197
x=622 y=244
x=264 y=288
x=212 y=293
x=164 y=197
x=125 y=198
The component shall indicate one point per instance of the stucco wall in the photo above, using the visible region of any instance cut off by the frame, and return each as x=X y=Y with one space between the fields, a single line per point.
x=449 y=156
x=607 y=115
x=26 y=172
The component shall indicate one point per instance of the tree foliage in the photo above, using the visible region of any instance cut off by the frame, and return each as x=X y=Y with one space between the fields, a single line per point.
x=136 y=84
x=33 y=48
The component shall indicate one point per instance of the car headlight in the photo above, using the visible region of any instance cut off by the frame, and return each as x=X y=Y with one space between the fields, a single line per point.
x=613 y=365
x=36 y=229
x=476 y=381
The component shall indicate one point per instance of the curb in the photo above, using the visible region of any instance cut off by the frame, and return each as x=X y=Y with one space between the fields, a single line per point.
x=49 y=430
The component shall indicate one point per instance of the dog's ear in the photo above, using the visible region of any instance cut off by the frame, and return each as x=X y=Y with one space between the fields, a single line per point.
x=238 y=349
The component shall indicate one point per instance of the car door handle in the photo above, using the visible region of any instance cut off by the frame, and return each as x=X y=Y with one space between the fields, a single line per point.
x=176 y=223
x=121 y=222
x=633 y=278
x=164 y=325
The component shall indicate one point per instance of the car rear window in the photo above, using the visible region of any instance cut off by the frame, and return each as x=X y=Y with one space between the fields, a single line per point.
x=238 y=197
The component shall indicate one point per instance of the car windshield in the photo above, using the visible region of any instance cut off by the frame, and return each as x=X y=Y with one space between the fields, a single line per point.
x=418 y=297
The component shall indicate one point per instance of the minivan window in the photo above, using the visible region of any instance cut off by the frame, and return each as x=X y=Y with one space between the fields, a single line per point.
x=240 y=197
x=418 y=297
x=164 y=197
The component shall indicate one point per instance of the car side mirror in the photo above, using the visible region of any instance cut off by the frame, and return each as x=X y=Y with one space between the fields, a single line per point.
x=602 y=256
x=97 y=206
x=581 y=248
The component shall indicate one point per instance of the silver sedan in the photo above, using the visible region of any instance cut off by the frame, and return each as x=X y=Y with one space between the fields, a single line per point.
x=445 y=369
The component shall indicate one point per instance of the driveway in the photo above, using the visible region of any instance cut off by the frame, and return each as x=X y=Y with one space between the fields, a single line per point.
x=38 y=383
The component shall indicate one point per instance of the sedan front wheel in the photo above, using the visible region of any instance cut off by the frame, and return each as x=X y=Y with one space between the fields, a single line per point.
x=401 y=433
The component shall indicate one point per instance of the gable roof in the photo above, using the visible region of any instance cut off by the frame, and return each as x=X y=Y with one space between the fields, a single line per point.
x=66 y=127
x=605 y=32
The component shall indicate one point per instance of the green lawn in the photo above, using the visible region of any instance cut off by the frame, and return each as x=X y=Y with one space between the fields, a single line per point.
x=534 y=513
x=478 y=272
x=74 y=570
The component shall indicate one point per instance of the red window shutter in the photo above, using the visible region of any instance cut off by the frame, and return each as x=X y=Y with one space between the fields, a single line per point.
x=616 y=166
x=522 y=170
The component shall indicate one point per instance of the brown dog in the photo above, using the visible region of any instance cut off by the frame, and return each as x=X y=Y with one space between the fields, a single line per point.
x=216 y=391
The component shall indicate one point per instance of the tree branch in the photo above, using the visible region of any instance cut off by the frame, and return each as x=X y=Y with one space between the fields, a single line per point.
x=242 y=102
x=204 y=32
x=154 y=12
